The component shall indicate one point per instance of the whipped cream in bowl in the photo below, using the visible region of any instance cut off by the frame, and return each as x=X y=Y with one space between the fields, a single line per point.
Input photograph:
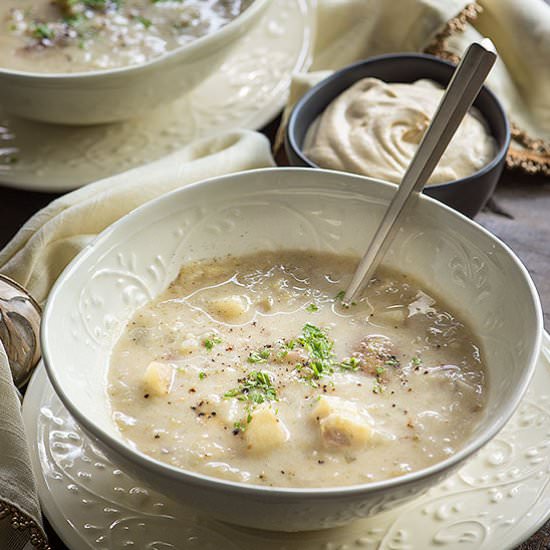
x=374 y=128
x=369 y=118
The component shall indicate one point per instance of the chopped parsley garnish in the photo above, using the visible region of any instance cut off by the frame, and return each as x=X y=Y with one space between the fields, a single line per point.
x=256 y=388
x=320 y=355
x=259 y=356
x=312 y=308
x=392 y=362
x=74 y=20
x=416 y=361
x=340 y=298
x=144 y=21
x=284 y=348
x=209 y=343
x=238 y=427
x=319 y=349
x=100 y=4
x=350 y=363
x=377 y=388
x=43 y=31
x=380 y=371
x=202 y=375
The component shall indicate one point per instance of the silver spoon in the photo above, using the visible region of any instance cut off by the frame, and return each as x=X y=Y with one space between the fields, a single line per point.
x=465 y=84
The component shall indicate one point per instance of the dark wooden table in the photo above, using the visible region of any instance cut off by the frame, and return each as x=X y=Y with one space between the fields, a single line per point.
x=523 y=223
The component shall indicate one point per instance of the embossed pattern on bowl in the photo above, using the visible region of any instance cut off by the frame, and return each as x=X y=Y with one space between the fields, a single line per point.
x=138 y=256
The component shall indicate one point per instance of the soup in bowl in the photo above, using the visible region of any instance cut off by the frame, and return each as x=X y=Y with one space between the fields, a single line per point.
x=207 y=350
x=84 y=62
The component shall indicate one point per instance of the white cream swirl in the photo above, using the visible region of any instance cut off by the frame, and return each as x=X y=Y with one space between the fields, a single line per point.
x=374 y=128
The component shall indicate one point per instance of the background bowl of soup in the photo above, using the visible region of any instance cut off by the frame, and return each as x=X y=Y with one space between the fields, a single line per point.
x=134 y=261
x=124 y=65
x=467 y=194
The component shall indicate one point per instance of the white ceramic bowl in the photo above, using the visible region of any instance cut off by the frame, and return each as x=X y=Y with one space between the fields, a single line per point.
x=136 y=258
x=116 y=94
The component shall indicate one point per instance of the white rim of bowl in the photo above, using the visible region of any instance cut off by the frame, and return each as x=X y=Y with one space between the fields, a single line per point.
x=197 y=479
x=245 y=18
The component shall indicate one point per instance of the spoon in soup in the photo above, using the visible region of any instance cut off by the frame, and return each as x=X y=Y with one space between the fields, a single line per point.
x=463 y=88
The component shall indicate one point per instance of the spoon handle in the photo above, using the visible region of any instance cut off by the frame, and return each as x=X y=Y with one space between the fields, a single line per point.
x=463 y=88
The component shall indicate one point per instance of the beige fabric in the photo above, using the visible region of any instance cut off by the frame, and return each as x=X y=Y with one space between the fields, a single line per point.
x=349 y=30
x=17 y=485
x=52 y=237
x=520 y=31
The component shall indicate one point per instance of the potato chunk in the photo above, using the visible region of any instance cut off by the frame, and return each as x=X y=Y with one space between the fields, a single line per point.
x=265 y=431
x=158 y=378
x=342 y=423
x=230 y=308
x=345 y=430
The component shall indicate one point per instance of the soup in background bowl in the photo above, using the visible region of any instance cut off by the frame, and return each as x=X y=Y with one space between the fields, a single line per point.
x=97 y=61
x=312 y=214
x=69 y=36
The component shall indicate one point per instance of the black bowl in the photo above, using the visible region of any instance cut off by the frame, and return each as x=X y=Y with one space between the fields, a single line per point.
x=467 y=195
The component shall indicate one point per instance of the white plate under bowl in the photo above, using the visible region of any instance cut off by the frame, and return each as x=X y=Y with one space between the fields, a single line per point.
x=497 y=500
x=246 y=92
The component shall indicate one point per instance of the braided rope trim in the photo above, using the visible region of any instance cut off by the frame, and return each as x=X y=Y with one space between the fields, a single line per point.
x=21 y=522
x=533 y=155
x=439 y=46
x=530 y=155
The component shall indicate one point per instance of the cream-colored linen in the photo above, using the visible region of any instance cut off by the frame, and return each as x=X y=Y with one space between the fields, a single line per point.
x=520 y=31
x=52 y=237
x=17 y=485
x=349 y=30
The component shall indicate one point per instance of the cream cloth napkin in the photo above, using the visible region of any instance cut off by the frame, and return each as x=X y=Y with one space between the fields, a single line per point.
x=19 y=509
x=351 y=30
x=520 y=31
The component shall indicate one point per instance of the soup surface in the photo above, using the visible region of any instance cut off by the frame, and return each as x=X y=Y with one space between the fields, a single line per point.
x=251 y=369
x=64 y=36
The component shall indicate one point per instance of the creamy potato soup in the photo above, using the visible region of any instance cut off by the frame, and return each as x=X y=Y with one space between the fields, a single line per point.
x=64 y=36
x=251 y=369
